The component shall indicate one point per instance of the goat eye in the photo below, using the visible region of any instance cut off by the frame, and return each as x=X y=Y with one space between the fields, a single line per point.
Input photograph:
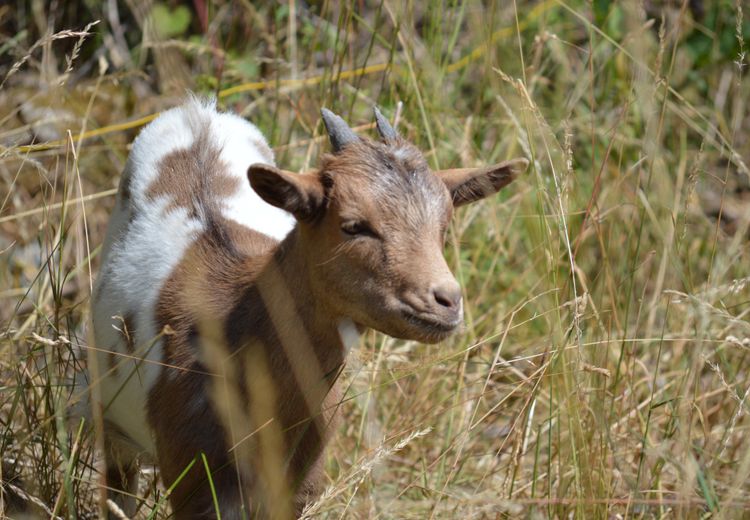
x=357 y=228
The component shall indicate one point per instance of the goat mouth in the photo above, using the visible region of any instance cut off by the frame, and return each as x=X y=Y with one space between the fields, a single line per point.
x=430 y=322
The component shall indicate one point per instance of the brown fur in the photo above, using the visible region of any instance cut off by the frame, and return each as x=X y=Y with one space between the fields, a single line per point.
x=219 y=283
x=193 y=177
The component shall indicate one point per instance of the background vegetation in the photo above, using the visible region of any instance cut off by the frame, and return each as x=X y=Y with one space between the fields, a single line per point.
x=603 y=370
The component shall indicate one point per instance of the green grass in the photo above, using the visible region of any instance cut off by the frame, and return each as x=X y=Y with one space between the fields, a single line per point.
x=603 y=369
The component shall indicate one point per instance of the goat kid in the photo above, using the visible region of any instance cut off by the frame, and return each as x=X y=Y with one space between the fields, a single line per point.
x=224 y=308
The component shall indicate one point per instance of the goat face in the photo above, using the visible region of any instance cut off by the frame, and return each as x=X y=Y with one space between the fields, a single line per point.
x=373 y=220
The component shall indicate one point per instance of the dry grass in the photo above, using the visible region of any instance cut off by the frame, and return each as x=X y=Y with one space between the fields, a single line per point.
x=603 y=370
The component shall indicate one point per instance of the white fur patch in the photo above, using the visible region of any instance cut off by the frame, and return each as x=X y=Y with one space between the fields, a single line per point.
x=348 y=333
x=236 y=137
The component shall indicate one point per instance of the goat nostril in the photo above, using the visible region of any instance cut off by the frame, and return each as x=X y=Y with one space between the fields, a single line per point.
x=447 y=295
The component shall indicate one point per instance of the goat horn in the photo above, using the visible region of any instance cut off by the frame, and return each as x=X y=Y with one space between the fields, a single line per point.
x=385 y=129
x=338 y=131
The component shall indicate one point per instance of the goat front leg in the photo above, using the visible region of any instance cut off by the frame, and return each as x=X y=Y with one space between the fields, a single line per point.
x=122 y=470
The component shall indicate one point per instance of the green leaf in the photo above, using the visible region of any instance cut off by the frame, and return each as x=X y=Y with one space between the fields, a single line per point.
x=169 y=23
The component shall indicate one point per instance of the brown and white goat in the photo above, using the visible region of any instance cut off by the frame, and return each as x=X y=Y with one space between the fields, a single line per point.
x=225 y=308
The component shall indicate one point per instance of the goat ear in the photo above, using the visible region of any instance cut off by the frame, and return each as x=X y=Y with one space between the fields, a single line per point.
x=301 y=194
x=468 y=185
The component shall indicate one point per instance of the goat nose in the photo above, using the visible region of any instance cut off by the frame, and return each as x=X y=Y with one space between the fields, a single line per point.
x=447 y=294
